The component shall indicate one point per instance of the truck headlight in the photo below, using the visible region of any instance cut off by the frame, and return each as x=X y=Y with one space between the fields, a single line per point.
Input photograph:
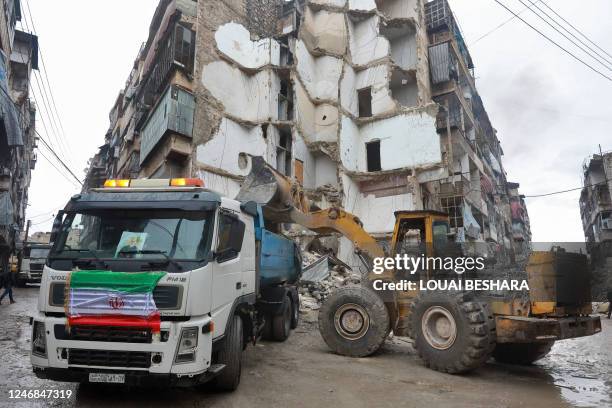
x=39 y=342
x=187 y=345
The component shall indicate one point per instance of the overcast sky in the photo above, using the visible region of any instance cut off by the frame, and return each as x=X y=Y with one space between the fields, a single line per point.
x=550 y=111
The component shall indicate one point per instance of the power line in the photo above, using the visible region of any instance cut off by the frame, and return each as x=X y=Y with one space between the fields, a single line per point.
x=552 y=41
x=48 y=98
x=58 y=158
x=605 y=61
x=55 y=167
x=564 y=191
x=501 y=25
x=577 y=30
x=608 y=61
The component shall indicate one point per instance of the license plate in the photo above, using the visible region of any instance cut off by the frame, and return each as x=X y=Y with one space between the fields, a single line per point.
x=106 y=378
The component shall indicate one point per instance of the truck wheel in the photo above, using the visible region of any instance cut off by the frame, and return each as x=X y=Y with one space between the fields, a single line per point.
x=295 y=314
x=21 y=283
x=266 y=333
x=450 y=334
x=230 y=355
x=521 y=353
x=281 y=323
x=354 y=321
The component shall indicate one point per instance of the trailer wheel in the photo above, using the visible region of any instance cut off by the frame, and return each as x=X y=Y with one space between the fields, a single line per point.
x=354 y=321
x=521 y=353
x=450 y=334
x=230 y=355
x=281 y=323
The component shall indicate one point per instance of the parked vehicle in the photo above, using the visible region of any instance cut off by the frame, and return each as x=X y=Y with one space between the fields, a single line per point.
x=217 y=278
x=32 y=263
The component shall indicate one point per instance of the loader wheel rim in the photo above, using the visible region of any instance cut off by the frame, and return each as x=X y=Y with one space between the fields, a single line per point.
x=439 y=328
x=351 y=321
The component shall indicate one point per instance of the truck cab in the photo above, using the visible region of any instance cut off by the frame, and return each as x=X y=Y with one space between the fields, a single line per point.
x=34 y=259
x=213 y=297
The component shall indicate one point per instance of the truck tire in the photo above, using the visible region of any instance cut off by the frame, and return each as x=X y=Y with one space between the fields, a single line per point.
x=354 y=321
x=21 y=283
x=295 y=313
x=450 y=334
x=521 y=353
x=281 y=323
x=266 y=333
x=230 y=355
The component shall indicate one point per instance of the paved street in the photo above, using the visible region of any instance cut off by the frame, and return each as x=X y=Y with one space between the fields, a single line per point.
x=302 y=372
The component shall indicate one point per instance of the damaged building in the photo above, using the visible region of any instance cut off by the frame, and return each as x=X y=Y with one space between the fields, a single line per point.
x=369 y=105
x=18 y=57
x=596 y=214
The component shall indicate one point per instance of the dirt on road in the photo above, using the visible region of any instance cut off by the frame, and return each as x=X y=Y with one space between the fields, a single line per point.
x=303 y=372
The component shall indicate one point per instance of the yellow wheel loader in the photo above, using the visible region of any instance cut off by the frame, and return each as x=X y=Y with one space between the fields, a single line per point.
x=453 y=332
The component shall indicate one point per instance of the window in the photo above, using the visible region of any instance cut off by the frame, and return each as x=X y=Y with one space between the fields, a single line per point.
x=231 y=235
x=453 y=206
x=364 y=97
x=373 y=156
x=283 y=152
x=184 y=47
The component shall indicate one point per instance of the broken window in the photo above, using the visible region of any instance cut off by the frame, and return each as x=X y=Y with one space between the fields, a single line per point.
x=285 y=100
x=184 y=47
x=453 y=206
x=364 y=97
x=283 y=152
x=373 y=156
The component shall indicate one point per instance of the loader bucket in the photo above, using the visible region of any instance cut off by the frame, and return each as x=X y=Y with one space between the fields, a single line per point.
x=274 y=191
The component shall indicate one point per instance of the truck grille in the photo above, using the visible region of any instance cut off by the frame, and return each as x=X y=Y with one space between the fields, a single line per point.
x=104 y=334
x=36 y=267
x=107 y=358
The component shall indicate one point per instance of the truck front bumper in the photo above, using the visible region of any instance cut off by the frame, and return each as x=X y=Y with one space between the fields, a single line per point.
x=132 y=378
x=518 y=329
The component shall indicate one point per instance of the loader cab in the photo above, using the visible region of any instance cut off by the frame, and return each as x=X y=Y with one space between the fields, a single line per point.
x=421 y=233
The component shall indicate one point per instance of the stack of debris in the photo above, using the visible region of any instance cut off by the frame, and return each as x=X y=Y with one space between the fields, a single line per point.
x=322 y=274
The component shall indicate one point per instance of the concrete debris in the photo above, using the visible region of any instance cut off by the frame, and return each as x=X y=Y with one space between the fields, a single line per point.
x=320 y=279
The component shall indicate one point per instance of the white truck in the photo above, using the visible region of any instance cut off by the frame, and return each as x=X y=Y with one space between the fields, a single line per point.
x=227 y=282
x=32 y=263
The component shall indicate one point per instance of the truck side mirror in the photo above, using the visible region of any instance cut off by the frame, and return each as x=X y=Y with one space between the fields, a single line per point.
x=231 y=235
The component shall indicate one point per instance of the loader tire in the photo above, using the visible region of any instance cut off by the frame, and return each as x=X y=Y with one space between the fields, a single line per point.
x=281 y=323
x=451 y=334
x=521 y=353
x=230 y=355
x=354 y=321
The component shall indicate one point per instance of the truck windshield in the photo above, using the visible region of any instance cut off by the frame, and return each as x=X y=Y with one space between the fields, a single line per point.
x=39 y=253
x=136 y=235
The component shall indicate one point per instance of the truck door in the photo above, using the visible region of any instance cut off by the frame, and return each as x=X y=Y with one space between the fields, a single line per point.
x=227 y=268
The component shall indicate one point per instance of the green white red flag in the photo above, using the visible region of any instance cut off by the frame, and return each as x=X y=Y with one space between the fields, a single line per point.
x=117 y=299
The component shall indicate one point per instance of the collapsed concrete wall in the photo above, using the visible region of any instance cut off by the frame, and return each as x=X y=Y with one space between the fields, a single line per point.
x=313 y=102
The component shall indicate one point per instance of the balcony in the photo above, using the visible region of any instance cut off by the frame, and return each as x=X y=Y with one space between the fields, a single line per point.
x=176 y=50
x=172 y=115
x=442 y=26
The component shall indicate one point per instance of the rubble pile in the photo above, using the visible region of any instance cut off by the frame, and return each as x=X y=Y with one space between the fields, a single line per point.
x=322 y=274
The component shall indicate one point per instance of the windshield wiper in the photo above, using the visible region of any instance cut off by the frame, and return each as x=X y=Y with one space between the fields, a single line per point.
x=84 y=250
x=153 y=252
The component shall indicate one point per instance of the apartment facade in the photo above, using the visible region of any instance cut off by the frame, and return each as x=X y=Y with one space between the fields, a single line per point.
x=18 y=57
x=369 y=105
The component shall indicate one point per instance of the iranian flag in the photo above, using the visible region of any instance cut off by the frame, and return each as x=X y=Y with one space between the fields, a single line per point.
x=117 y=299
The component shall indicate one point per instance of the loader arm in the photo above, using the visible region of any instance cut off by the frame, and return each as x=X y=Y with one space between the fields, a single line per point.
x=283 y=201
